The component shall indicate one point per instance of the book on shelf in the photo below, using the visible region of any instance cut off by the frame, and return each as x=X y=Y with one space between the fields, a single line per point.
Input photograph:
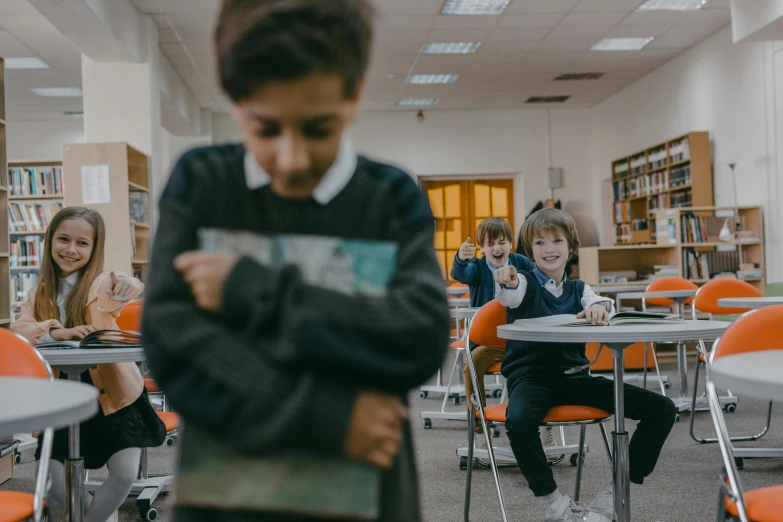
x=139 y=206
x=617 y=319
x=25 y=252
x=35 y=181
x=295 y=481
x=21 y=284
x=31 y=217
x=97 y=339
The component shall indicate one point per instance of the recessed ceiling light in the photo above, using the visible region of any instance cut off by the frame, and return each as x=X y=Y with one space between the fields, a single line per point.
x=621 y=44
x=417 y=102
x=474 y=7
x=450 y=47
x=25 y=62
x=672 y=5
x=77 y=115
x=547 y=99
x=579 y=76
x=57 y=92
x=432 y=78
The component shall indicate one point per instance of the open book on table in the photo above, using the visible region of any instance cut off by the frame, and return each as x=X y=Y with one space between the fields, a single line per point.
x=97 y=339
x=618 y=319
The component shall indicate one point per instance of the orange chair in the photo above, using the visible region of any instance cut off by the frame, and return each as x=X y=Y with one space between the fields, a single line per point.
x=483 y=331
x=18 y=358
x=706 y=301
x=755 y=331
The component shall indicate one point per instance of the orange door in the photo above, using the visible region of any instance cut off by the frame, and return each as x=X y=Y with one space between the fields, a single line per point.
x=459 y=206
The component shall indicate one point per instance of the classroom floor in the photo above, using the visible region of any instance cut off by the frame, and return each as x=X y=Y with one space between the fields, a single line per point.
x=682 y=489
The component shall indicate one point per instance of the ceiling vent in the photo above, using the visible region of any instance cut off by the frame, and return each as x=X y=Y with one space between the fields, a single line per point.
x=547 y=99
x=579 y=76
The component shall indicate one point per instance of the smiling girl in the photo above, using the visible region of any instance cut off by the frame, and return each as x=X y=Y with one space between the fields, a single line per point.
x=76 y=297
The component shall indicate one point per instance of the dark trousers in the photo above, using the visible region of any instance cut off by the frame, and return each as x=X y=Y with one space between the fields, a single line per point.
x=533 y=394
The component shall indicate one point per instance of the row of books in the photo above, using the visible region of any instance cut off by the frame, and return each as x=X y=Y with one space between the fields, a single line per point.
x=639 y=224
x=638 y=164
x=704 y=265
x=620 y=169
x=681 y=150
x=622 y=211
x=656 y=203
x=623 y=233
x=681 y=176
x=656 y=158
x=681 y=199
x=31 y=217
x=37 y=181
x=698 y=229
x=26 y=251
x=21 y=284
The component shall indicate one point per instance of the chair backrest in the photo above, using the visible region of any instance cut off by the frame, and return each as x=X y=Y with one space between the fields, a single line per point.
x=484 y=325
x=706 y=299
x=18 y=358
x=757 y=330
x=458 y=285
x=130 y=316
x=666 y=284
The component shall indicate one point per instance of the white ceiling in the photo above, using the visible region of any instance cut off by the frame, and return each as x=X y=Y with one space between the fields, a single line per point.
x=522 y=51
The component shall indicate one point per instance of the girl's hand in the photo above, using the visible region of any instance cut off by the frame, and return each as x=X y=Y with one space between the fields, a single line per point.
x=77 y=333
x=596 y=314
x=121 y=289
x=206 y=273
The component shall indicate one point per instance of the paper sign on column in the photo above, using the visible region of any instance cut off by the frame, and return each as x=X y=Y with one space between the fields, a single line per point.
x=95 y=184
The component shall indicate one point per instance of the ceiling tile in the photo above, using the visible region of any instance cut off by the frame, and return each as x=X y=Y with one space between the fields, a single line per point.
x=566 y=44
x=593 y=32
x=703 y=16
x=506 y=47
x=530 y=33
x=403 y=35
x=608 y=5
x=515 y=21
x=655 y=17
x=683 y=36
x=637 y=31
x=409 y=7
x=465 y=22
x=404 y=22
x=541 y=6
x=603 y=18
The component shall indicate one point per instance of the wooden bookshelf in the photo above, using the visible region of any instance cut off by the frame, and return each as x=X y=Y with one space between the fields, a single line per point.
x=47 y=191
x=5 y=296
x=683 y=232
x=128 y=240
x=675 y=173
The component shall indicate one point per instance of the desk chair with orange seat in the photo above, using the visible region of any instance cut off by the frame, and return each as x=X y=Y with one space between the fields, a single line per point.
x=755 y=331
x=18 y=358
x=483 y=331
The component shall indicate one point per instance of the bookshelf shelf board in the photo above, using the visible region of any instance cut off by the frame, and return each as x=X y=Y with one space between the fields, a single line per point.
x=678 y=163
x=5 y=321
x=722 y=243
x=47 y=196
x=749 y=279
x=138 y=188
x=140 y=262
x=25 y=267
x=16 y=304
x=657 y=169
x=680 y=187
x=635 y=246
x=140 y=225
x=22 y=233
x=4 y=254
x=34 y=163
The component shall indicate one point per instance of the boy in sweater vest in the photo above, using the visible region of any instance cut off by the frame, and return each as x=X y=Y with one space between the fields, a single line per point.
x=536 y=371
x=257 y=355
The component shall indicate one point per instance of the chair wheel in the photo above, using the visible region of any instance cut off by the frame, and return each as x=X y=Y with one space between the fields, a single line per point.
x=574 y=457
x=497 y=393
x=17 y=458
x=666 y=385
x=427 y=423
x=463 y=463
x=730 y=408
x=169 y=441
x=455 y=399
x=148 y=514
x=677 y=418
x=496 y=432
x=422 y=395
x=739 y=462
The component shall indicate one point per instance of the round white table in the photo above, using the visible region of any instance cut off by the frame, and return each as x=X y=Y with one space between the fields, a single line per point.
x=44 y=404
x=456 y=291
x=618 y=338
x=463 y=313
x=73 y=362
x=459 y=302
x=755 y=374
x=749 y=302
x=618 y=289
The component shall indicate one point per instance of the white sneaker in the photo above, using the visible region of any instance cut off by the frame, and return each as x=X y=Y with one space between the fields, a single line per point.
x=562 y=510
x=602 y=509
x=548 y=440
x=480 y=442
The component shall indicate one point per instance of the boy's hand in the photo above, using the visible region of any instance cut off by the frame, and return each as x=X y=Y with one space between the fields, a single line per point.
x=121 y=289
x=205 y=273
x=375 y=429
x=507 y=275
x=596 y=314
x=77 y=333
x=467 y=250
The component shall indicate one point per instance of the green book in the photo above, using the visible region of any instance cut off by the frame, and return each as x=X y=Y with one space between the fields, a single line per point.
x=212 y=474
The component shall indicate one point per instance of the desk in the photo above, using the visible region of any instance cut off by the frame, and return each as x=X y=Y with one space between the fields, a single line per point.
x=459 y=302
x=73 y=362
x=616 y=289
x=755 y=374
x=456 y=291
x=617 y=338
x=749 y=302
x=47 y=404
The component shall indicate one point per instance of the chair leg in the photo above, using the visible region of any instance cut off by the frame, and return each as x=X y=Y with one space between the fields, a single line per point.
x=580 y=456
x=446 y=395
x=658 y=368
x=721 y=502
x=469 y=476
x=493 y=463
x=608 y=448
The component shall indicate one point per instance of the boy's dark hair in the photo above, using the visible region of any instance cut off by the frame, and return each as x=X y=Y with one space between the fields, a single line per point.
x=549 y=220
x=492 y=229
x=261 y=41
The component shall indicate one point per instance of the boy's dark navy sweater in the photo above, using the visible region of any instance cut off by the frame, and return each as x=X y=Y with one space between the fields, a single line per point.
x=524 y=357
x=477 y=275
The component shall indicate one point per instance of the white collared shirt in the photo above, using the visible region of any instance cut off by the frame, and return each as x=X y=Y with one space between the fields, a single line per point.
x=512 y=297
x=66 y=285
x=333 y=182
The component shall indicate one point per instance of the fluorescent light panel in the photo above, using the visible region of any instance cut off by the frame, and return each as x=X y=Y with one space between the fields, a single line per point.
x=621 y=44
x=474 y=7
x=417 y=102
x=450 y=47
x=672 y=5
x=25 y=62
x=57 y=92
x=424 y=79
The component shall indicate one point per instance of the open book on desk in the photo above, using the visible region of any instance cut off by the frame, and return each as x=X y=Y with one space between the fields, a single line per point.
x=618 y=319
x=97 y=339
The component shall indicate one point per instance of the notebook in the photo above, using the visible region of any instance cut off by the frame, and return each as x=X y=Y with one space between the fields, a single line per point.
x=97 y=339
x=618 y=319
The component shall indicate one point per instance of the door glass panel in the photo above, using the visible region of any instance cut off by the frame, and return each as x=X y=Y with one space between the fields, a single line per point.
x=499 y=202
x=481 y=202
x=436 y=202
x=453 y=196
x=454 y=236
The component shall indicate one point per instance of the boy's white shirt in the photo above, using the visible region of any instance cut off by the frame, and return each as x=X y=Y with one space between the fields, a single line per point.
x=512 y=297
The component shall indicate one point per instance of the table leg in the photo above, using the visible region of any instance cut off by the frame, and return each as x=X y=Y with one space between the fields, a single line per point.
x=622 y=483
x=682 y=361
x=74 y=472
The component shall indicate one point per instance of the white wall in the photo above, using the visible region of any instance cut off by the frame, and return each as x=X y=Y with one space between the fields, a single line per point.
x=481 y=143
x=720 y=87
x=41 y=140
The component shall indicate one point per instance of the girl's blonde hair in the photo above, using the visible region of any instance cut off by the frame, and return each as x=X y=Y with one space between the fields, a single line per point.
x=75 y=301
